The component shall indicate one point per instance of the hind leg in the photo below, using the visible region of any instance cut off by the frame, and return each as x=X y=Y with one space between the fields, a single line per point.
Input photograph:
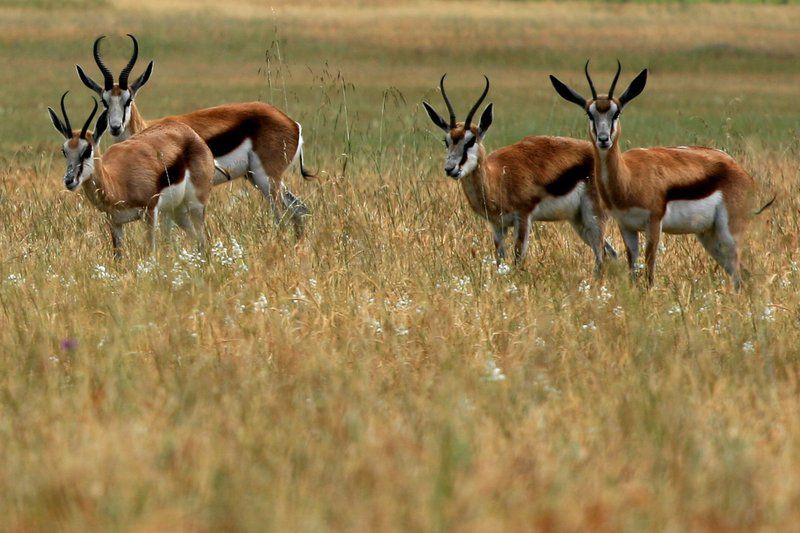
x=631 y=240
x=721 y=245
x=272 y=189
x=297 y=210
x=593 y=238
x=191 y=219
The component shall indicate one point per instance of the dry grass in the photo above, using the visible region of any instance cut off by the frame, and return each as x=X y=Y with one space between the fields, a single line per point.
x=385 y=374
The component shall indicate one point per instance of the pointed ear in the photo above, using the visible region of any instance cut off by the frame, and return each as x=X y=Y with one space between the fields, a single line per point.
x=89 y=82
x=486 y=120
x=60 y=128
x=141 y=80
x=567 y=93
x=634 y=89
x=100 y=127
x=435 y=117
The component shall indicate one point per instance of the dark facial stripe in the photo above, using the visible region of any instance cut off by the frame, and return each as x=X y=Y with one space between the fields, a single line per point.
x=699 y=189
x=469 y=144
x=567 y=180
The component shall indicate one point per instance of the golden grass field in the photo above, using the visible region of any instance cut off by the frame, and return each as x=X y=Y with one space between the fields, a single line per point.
x=384 y=374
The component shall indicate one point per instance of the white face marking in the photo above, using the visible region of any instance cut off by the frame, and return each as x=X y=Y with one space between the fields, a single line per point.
x=692 y=216
x=560 y=207
x=604 y=125
x=118 y=111
x=462 y=157
x=80 y=163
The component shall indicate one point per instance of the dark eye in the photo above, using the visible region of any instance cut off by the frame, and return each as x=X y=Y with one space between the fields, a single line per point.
x=470 y=143
x=445 y=143
x=63 y=151
x=87 y=153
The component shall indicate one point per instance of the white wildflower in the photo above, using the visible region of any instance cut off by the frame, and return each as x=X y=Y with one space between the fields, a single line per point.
x=749 y=347
x=493 y=372
x=15 y=279
x=401 y=331
x=674 y=310
x=590 y=326
x=769 y=313
x=262 y=304
x=512 y=289
x=539 y=342
x=101 y=272
x=584 y=286
x=503 y=269
x=404 y=303
x=618 y=311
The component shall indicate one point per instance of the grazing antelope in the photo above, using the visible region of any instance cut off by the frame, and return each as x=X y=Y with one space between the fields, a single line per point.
x=166 y=168
x=252 y=140
x=538 y=178
x=679 y=190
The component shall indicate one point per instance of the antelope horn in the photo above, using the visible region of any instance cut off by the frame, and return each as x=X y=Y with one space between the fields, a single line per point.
x=89 y=120
x=589 y=79
x=468 y=120
x=108 y=78
x=123 y=77
x=616 y=77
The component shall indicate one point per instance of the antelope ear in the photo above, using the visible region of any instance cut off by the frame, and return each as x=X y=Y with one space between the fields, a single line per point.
x=567 y=93
x=634 y=89
x=100 y=127
x=141 y=80
x=89 y=82
x=486 y=120
x=435 y=117
x=60 y=128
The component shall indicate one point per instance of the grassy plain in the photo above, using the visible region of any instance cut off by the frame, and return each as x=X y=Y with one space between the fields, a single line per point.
x=384 y=375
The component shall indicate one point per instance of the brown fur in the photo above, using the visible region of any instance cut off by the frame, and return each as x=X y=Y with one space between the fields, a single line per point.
x=132 y=174
x=516 y=178
x=650 y=178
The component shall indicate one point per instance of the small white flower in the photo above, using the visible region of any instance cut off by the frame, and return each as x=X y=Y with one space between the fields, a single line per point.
x=605 y=294
x=539 y=342
x=503 y=269
x=590 y=326
x=101 y=272
x=674 y=310
x=401 y=331
x=15 y=279
x=749 y=347
x=769 y=313
x=312 y=283
x=618 y=311
x=584 y=286
x=512 y=289
x=262 y=304
x=493 y=372
x=375 y=325
x=403 y=303
x=299 y=294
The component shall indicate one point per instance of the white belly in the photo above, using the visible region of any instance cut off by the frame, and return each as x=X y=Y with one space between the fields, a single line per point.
x=633 y=218
x=691 y=216
x=560 y=207
x=236 y=161
x=173 y=196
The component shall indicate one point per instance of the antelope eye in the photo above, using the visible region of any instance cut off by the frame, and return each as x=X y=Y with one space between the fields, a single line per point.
x=445 y=143
x=86 y=153
x=63 y=151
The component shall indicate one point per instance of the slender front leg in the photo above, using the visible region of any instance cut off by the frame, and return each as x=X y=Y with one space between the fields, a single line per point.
x=151 y=217
x=498 y=234
x=650 y=253
x=117 y=234
x=523 y=227
x=631 y=240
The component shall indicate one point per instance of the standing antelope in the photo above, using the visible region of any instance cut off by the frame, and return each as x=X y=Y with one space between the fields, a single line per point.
x=167 y=169
x=679 y=190
x=253 y=139
x=538 y=178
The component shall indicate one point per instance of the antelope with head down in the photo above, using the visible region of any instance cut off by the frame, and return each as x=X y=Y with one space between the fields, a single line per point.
x=252 y=140
x=539 y=178
x=166 y=169
x=682 y=190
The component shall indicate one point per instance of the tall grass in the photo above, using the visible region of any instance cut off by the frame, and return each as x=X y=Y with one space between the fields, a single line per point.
x=386 y=373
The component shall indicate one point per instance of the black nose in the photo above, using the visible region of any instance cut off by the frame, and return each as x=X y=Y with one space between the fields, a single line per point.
x=603 y=138
x=449 y=170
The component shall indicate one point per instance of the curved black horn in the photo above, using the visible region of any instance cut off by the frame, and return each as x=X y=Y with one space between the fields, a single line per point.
x=123 y=76
x=64 y=112
x=616 y=77
x=589 y=79
x=468 y=120
x=108 y=78
x=447 y=103
x=89 y=120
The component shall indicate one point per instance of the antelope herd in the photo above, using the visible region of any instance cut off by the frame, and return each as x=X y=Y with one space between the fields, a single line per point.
x=165 y=169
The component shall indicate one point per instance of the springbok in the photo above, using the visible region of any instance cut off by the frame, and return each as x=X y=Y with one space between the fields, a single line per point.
x=167 y=168
x=539 y=178
x=680 y=190
x=252 y=140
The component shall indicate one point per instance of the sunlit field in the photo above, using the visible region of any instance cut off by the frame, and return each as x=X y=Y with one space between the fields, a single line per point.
x=385 y=373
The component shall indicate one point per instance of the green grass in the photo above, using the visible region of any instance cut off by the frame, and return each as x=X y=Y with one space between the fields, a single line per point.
x=348 y=382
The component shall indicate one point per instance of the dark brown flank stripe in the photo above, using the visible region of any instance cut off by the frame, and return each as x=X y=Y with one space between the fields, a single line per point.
x=699 y=189
x=567 y=180
x=175 y=173
x=227 y=141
